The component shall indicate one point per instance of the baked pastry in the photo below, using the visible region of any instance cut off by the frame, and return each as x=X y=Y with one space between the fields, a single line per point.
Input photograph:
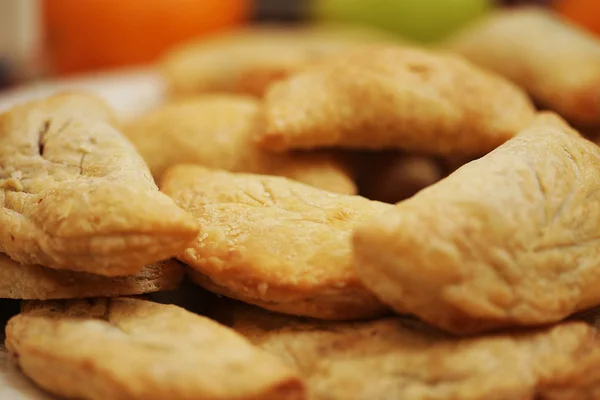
x=217 y=131
x=555 y=61
x=506 y=240
x=18 y=281
x=394 y=97
x=402 y=358
x=74 y=193
x=125 y=348
x=274 y=242
x=248 y=60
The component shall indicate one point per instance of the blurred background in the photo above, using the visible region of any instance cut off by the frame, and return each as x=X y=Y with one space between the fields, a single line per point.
x=43 y=39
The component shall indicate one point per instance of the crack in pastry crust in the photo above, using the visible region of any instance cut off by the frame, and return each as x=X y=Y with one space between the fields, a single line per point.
x=74 y=194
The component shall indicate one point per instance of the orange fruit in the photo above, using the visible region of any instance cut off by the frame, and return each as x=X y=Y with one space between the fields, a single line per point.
x=93 y=34
x=585 y=13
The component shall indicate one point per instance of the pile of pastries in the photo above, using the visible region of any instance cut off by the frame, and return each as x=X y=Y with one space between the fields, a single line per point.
x=374 y=220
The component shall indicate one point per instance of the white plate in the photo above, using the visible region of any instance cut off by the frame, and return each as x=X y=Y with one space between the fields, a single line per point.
x=129 y=92
x=15 y=386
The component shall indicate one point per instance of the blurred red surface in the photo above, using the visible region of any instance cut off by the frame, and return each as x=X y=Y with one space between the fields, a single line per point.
x=94 y=34
x=585 y=13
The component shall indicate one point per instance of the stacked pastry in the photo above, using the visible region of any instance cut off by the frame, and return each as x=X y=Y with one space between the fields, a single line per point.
x=81 y=219
x=81 y=215
x=554 y=61
x=469 y=289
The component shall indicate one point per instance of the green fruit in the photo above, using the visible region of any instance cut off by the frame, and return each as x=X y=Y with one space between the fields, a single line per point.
x=420 y=20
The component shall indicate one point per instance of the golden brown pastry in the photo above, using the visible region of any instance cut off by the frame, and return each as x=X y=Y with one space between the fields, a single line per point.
x=133 y=349
x=556 y=62
x=18 y=281
x=402 y=358
x=249 y=60
x=274 y=242
x=394 y=97
x=74 y=193
x=217 y=131
x=509 y=239
x=391 y=176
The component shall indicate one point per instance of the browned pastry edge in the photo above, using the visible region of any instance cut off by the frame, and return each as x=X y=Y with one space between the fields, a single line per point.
x=321 y=306
x=35 y=282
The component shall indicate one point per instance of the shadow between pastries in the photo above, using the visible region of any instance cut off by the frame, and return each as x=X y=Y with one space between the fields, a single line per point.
x=509 y=239
x=123 y=348
x=74 y=193
x=274 y=242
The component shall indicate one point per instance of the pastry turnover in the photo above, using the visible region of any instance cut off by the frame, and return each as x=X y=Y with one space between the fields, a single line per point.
x=402 y=358
x=556 y=62
x=217 y=131
x=394 y=97
x=27 y=281
x=74 y=193
x=249 y=60
x=274 y=242
x=134 y=349
x=509 y=239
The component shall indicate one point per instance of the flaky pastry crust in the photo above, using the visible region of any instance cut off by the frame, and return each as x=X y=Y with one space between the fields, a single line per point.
x=274 y=242
x=249 y=60
x=125 y=348
x=217 y=131
x=402 y=358
x=34 y=282
x=555 y=61
x=394 y=97
x=506 y=240
x=74 y=193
